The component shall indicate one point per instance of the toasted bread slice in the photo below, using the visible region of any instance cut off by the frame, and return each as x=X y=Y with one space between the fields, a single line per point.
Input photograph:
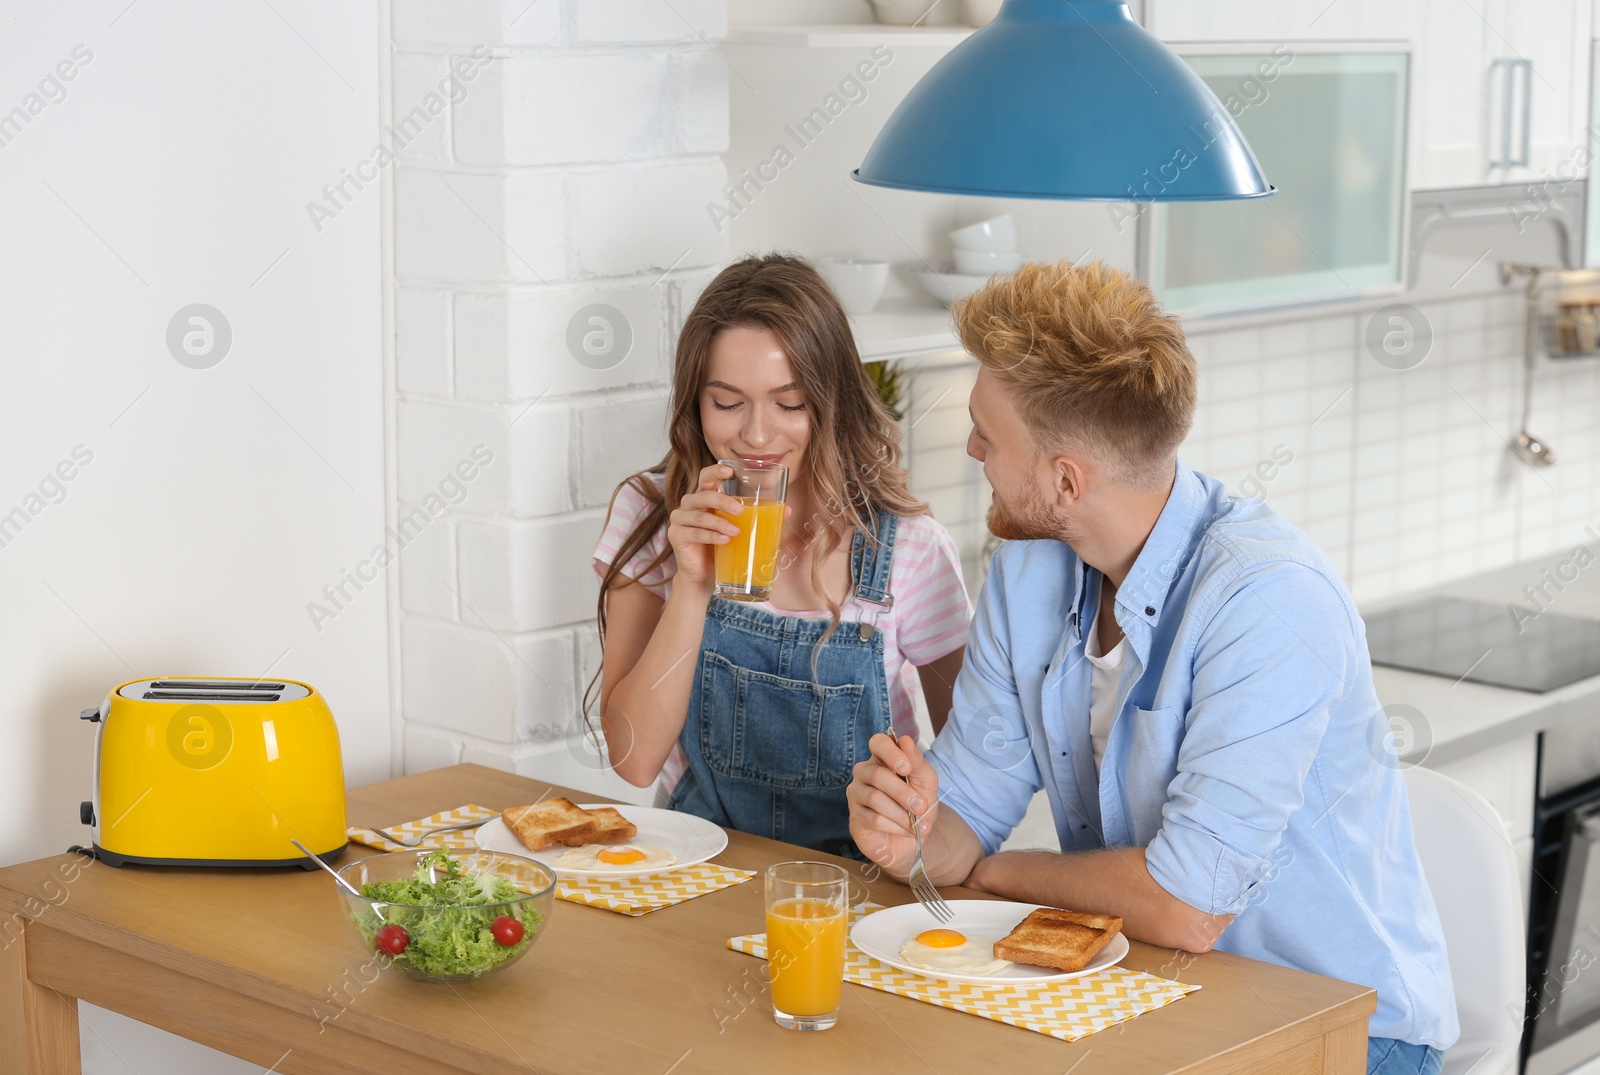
x=1051 y=937
x=612 y=827
x=548 y=822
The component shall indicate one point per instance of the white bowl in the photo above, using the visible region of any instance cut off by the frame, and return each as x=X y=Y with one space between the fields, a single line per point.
x=987 y=262
x=859 y=283
x=947 y=285
x=997 y=234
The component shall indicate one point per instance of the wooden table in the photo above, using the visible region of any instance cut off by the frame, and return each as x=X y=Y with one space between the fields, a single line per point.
x=264 y=965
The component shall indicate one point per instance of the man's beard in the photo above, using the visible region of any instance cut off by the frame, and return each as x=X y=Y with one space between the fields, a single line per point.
x=1032 y=521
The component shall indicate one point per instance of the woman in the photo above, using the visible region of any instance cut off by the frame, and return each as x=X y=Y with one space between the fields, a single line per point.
x=757 y=713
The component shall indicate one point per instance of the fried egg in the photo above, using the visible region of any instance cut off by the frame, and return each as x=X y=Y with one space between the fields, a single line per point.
x=953 y=952
x=615 y=858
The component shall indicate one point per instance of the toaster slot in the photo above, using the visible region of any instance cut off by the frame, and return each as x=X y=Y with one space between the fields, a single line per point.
x=210 y=696
x=214 y=685
x=214 y=690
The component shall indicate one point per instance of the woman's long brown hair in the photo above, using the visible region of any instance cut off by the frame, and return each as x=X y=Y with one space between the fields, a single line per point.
x=853 y=460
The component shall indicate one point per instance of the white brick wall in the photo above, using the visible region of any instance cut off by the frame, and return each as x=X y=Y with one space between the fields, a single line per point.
x=571 y=170
x=435 y=25
x=500 y=229
x=422 y=342
x=613 y=436
x=415 y=77
x=529 y=475
x=504 y=341
x=695 y=77
x=645 y=219
x=683 y=22
x=526 y=576
x=526 y=116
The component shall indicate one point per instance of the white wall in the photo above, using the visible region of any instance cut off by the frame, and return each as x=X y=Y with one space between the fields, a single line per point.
x=218 y=502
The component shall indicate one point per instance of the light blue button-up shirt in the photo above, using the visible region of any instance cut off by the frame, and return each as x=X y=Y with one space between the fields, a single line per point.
x=1249 y=755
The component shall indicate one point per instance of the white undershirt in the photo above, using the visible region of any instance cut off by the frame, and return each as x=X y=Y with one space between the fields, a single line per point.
x=1104 y=679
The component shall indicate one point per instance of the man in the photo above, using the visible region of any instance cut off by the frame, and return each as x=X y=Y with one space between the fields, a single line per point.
x=1181 y=671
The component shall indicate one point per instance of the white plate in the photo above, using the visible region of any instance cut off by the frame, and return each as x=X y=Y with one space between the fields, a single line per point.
x=691 y=839
x=882 y=933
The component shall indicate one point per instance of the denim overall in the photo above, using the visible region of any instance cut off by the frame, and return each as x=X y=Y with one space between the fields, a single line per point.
x=770 y=749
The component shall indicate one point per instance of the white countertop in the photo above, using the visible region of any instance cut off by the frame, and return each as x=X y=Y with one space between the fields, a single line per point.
x=1465 y=718
x=915 y=328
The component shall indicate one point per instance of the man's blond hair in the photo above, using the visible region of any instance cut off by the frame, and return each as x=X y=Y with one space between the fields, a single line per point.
x=1091 y=360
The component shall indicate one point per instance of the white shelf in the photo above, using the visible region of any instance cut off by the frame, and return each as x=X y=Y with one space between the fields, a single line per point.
x=814 y=209
x=904 y=328
x=846 y=35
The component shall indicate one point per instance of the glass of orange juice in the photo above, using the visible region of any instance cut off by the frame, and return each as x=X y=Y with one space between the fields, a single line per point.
x=806 y=904
x=748 y=564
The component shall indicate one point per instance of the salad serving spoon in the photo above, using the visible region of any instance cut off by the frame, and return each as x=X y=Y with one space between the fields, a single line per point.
x=346 y=885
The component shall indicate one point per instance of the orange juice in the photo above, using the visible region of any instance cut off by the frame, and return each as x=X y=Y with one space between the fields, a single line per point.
x=805 y=951
x=748 y=563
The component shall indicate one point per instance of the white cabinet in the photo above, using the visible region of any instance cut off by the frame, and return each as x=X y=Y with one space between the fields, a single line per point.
x=1449 y=114
x=1500 y=87
x=1279 y=20
x=1505 y=92
x=1554 y=38
x=1328 y=126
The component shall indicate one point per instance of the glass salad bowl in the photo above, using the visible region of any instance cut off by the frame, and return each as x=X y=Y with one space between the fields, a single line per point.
x=449 y=915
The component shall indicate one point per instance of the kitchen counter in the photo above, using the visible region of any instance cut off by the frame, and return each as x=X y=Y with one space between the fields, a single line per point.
x=1463 y=718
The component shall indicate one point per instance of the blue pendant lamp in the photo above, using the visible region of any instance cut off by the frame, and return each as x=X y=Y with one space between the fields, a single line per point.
x=1068 y=99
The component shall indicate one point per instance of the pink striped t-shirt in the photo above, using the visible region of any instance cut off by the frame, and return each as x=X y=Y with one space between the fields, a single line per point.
x=929 y=617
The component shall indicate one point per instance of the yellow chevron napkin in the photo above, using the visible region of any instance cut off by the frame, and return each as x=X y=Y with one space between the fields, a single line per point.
x=459 y=839
x=1066 y=1010
x=641 y=895
x=625 y=895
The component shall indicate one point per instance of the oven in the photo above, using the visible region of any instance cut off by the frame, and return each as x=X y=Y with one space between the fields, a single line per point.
x=1562 y=1028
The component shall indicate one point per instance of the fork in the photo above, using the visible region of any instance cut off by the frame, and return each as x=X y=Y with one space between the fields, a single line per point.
x=921 y=887
x=415 y=841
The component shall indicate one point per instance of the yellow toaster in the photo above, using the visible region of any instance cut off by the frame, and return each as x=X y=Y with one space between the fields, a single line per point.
x=215 y=772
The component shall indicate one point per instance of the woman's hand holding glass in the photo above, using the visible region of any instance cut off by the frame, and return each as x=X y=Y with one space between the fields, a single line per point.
x=695 y=530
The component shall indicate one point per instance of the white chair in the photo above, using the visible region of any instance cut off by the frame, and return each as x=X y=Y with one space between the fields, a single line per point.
x=1466 y=855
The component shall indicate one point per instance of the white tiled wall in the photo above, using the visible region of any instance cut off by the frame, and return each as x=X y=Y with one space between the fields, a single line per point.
x=1403 y=476
x=1279 y=393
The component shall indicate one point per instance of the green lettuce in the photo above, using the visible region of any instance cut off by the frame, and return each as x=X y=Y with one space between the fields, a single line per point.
x=449 y=920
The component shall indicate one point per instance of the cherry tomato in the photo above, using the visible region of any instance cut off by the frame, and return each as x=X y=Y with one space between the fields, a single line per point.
x=393 y=939
x=507 y=930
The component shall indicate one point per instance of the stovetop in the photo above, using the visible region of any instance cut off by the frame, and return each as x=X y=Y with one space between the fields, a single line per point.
x=1459 y=639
